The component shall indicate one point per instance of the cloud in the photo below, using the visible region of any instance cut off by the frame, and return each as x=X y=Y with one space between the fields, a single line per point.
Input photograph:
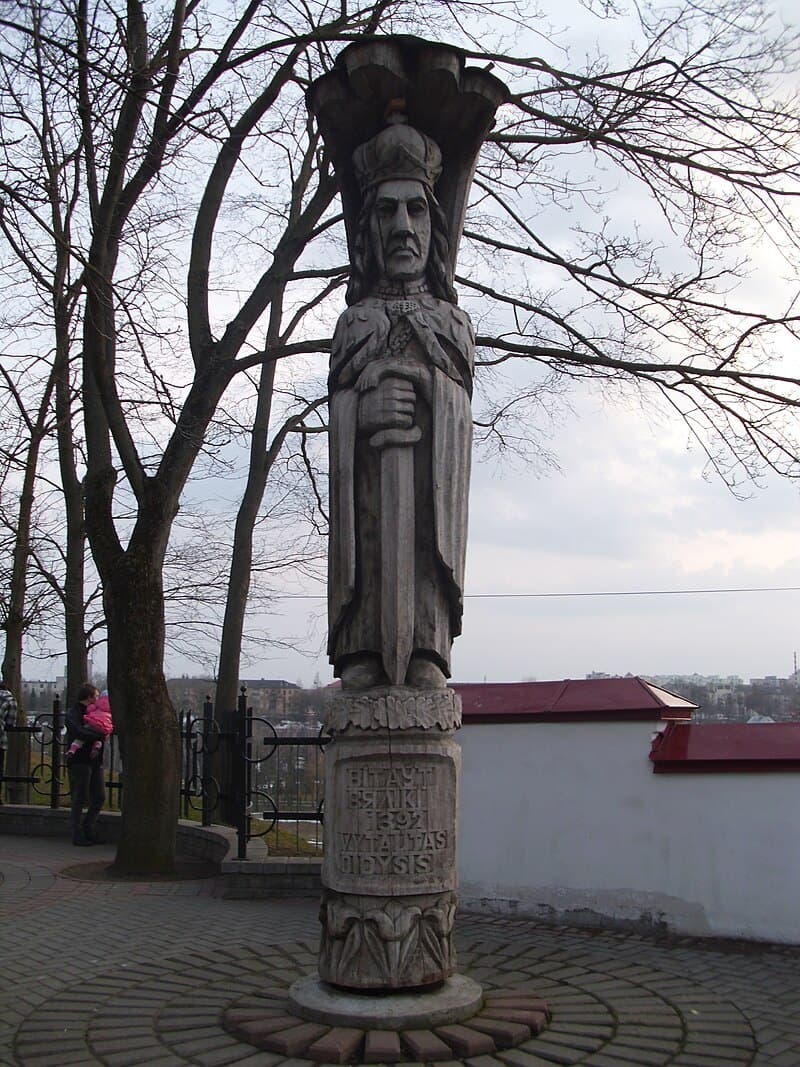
x=631 y=511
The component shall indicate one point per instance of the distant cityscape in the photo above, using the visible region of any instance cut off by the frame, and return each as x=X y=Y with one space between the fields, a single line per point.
x=720 y=698
x=728 y=698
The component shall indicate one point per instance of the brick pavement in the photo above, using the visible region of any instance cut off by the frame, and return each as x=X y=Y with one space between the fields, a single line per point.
x=127 y=974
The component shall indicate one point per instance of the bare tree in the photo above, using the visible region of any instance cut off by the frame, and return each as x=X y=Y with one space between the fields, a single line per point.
x=681 y=164
x=19 y=614
x=263 y=449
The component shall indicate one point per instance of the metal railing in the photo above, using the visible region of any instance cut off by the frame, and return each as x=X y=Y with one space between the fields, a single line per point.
x=42 y=741
x=281 y=778
x=275 y=777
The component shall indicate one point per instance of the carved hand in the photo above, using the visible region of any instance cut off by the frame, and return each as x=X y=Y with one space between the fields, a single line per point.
x=382 y=369
x=388 y=405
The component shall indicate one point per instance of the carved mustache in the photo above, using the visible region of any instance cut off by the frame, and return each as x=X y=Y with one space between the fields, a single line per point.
x=404 y=243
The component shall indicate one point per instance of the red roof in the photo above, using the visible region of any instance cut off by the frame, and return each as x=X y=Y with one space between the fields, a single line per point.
x=590 y=699
x=731 y=746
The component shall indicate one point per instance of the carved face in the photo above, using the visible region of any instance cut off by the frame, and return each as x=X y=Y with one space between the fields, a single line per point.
x=400 y=230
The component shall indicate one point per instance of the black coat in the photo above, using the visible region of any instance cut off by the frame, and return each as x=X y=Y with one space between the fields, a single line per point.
x=76 y=731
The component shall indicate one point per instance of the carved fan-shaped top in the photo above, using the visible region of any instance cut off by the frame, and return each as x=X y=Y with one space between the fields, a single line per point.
x=443 y=98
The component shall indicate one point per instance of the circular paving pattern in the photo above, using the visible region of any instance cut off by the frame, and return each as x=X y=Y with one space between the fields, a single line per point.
x=606 y=1012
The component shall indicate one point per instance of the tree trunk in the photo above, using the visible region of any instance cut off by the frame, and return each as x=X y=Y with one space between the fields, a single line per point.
x=144 y=716
x=227 y=689
x=74 y=603
x=18 y=753
x=18 y=760
x=230 y=649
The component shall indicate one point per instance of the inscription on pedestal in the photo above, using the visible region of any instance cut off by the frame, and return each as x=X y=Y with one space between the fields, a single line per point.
x=395 y=827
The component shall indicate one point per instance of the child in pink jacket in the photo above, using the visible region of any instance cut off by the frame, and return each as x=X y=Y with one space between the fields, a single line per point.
x=98 y=716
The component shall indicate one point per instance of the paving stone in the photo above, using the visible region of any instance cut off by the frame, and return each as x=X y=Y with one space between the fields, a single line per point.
x=569 y=1001
x=240 y=1015
x=233 y=1052
x=261 y=1059
x=517 y=1057
x=721 y=1041
x=425 y=1045
x=164 y=1059
x=654 y=1044
x=577 y=1041
x=53 y=1058
x=601 y=1059
x=382 y=1046
x=337 y=1046
x=536 y=1020
x=721 y=1052
x=734 y=1028
x=540 y=1046
x=627 y=1017
x=466 y=1042
x=132 y=1057
x=596 y=1015
x=34 y=1047
x=644 y=1057
x=505 y=1034
x=785 y=1059
x=294 y=1040
x=632 y=1031
x=516 y=1000
x=260 y=1028
x=776 y=1046
x=200 y=1045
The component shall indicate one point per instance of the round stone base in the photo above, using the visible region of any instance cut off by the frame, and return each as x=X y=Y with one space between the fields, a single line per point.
x=456 y=999
x=358 y=1029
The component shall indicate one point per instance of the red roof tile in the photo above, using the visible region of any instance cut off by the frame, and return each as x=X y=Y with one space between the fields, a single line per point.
x=731 y=746
x=589 y=699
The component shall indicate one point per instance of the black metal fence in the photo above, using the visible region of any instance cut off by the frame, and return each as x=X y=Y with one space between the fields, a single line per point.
x=44 y=780
x=282 y=779
x=272 y=779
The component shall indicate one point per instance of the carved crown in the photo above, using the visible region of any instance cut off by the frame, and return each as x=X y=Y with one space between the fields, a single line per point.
x=399 y=151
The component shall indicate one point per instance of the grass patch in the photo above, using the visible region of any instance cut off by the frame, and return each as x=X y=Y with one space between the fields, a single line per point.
x=295 y=841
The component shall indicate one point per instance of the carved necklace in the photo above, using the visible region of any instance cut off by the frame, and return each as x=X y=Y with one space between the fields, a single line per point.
x=399 y=291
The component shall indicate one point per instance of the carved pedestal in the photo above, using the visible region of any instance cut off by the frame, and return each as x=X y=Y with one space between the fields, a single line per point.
x=389 y=872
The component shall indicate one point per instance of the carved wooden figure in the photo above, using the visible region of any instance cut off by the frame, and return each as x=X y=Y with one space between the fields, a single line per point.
x=404 y=121
x=400 y=430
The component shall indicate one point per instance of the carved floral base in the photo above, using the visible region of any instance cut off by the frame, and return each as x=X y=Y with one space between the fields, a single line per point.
x=386 y=942
x=394 y=708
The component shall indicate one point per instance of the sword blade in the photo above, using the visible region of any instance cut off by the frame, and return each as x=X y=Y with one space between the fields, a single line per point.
x=397 y=560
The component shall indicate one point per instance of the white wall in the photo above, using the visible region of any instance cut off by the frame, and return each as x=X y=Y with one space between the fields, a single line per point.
x=568 y=820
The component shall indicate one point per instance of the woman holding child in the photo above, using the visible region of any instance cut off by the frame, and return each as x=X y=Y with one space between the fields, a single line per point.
x=87 y=725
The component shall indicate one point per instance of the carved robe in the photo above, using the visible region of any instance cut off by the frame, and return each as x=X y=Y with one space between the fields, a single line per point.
x=440 y=337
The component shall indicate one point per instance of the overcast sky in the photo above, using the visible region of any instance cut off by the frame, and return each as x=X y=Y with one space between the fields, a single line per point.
x=629 y=511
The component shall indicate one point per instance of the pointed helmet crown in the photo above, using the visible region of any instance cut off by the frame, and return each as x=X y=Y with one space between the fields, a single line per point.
x=398 y=151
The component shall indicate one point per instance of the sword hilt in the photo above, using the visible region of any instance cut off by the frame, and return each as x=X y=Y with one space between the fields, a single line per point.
x=396 y=436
